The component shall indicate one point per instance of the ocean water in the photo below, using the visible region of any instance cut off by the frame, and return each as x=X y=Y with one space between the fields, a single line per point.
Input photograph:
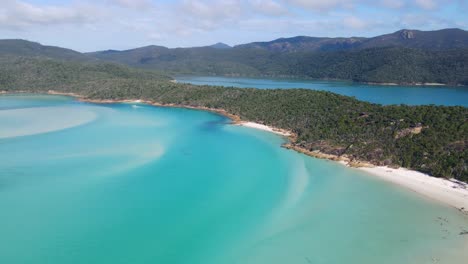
x=131 y=183
x=381 y=94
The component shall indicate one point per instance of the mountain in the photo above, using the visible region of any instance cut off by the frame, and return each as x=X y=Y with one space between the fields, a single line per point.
x=433 y=40
x=378 y=65
x=404 y=57
x=304 y=43
x=444 y=39
x=220 y=45
x=20 y=47
x=131 y=57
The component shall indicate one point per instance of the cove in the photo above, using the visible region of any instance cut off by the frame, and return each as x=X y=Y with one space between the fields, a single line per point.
x=132 y=183
x=380 y=94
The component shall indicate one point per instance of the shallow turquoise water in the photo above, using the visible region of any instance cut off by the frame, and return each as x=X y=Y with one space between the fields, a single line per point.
x=411 y=95
x=127 y=183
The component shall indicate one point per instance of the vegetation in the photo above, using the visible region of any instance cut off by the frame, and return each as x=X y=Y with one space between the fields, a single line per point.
x=380 y=65
x=18 y=47
x=431 y=139
x=405 y=57
x=444 y=39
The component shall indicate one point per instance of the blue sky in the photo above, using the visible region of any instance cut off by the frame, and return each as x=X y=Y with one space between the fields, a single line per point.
x=89 y=25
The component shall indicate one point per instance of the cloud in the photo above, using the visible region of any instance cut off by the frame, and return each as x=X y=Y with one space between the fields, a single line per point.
x=423 y=21
x=209 y=10
x=328 y=26
x=129 y=23
x=395 y=4
x=322 y=5
x=426 y=4
x=20 y=15
x=335 y=5
x=207 y=15
x=268 y=7
x=353 y=22
x=132 y=4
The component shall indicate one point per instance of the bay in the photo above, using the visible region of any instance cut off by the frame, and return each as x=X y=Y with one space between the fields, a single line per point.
x=380 y=94
x=132 y=183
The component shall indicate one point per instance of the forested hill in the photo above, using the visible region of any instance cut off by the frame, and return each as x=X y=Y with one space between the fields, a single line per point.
x=404 y=57
x=20 y=47
x=377 y=65
x=444 y=39
x=431 y=139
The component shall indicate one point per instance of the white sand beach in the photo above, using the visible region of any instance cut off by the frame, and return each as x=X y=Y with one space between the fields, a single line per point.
x=449 y=192
x=265 y=128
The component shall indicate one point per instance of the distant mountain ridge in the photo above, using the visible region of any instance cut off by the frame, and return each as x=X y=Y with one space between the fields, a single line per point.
x=404 y=57
x=220 y=45
x=433 y=40
x=305 y=43
x=19 y=47
x=443 y=39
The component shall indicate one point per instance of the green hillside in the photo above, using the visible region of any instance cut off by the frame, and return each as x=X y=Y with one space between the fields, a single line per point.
x=445 y=39
x=404 y=57
x=379 y=65
x=18 y=47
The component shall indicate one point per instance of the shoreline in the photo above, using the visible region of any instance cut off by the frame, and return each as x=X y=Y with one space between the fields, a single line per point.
x=449 y=192
x=278 y=131
x=409 y=84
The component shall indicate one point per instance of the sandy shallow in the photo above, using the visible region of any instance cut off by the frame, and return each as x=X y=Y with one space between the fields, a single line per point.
x=37 y=120
x=450 y=192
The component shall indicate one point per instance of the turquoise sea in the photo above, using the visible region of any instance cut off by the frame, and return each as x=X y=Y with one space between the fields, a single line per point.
x=381 y=94
x=131 y=183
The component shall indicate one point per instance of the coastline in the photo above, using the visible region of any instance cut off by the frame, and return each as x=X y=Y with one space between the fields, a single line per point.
x=294 y=77
x=270 y=129
x=449 y=192
x=407 y=84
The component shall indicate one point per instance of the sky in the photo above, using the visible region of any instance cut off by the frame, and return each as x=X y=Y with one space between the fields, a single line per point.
x=91 y=25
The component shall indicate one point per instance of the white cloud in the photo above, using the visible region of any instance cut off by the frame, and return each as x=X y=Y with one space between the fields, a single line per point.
x=268 y=7
x=129 y=23
x=334 y=5
x=19 y=15
x=353 y=22
x=132 y=4
x=395 y=4
x=423 y=22
x=322 y=5
x=209 y=10
x=207 y=15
